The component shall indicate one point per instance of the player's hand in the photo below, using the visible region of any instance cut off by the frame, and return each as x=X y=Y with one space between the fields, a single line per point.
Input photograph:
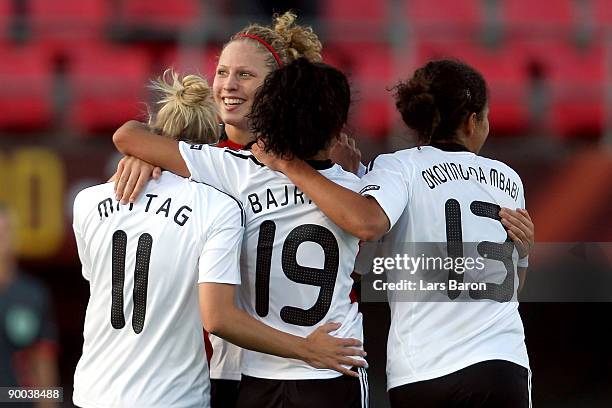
x=346 y=154
x=520 y=229
x=326 y=351
x=131 y=177
x=272 y=161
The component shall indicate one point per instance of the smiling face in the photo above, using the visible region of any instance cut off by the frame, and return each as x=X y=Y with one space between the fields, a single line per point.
x=240 y=71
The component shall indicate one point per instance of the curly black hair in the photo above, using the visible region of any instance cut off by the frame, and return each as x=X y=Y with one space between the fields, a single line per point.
x=439 y=97
x=300 y=108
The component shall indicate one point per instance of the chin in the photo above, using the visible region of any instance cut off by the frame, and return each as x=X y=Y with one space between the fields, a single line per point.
x=239 y=122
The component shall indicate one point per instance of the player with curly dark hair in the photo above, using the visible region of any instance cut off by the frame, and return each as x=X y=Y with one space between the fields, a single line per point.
x=461 y=347
x=296 y=264
x=298 y=129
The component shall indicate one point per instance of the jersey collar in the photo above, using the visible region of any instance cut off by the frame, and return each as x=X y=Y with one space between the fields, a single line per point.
x=224 y=141
x=320 y=164
x=450 y=147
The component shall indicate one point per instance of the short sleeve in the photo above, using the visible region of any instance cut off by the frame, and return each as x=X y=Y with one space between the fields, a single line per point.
x=386 y=183
x=214 y=166
x=78 y=208
x=220 y=258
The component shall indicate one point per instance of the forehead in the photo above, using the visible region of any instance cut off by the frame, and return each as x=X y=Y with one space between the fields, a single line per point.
x=243 y=53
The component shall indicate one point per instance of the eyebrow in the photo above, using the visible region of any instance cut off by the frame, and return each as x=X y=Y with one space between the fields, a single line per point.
x=238 y=67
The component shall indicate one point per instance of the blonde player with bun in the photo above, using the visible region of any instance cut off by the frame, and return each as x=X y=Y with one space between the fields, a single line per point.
x=245 y=61
x=160 y=268
x=249 y=56
x=186 y=110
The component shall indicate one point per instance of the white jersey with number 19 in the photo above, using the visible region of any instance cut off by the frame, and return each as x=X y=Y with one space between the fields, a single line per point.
x=296 y=264
x=143 y=343
x=451 y=198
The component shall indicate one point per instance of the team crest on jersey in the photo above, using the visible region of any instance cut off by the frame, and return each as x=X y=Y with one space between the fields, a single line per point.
x=368 y=188
x=196 y=147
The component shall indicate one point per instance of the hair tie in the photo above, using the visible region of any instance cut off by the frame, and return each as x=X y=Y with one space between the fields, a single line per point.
x=265 y=44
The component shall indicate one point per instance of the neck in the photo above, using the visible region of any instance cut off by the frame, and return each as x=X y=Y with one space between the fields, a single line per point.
x=321 y=155
x=237 y=135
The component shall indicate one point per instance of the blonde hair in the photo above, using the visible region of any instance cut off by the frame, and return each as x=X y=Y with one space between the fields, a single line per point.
x=289 y=40
x=186 y=109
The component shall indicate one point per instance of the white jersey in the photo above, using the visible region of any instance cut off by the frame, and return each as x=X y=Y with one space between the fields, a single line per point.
x=143 y=343
x=226 y=359
x=296 y=264
x=431 y=195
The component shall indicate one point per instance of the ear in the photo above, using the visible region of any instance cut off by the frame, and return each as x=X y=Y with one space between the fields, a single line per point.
x=470 y=124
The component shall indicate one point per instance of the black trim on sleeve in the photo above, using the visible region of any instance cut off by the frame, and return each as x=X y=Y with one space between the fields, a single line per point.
x=371 y=165
x=245 y=157
x=242 y=212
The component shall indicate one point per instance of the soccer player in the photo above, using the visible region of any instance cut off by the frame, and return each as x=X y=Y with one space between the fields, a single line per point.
x=296 y=264
x=143 y=341
x=459 y=352
x=246 y=59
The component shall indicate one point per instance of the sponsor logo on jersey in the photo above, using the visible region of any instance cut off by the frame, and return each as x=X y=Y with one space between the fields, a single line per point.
x=368 y=188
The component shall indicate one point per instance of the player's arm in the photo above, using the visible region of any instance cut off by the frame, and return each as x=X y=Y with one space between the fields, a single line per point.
x=360 y=216
x=145 y=150
x=520 y=229
x=219 y=273
x=222 y=318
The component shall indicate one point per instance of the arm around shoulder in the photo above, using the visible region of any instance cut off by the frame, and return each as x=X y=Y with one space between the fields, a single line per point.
x=135 y=139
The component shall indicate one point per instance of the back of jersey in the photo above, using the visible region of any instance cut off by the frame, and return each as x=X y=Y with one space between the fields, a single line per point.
x=143 y=343
x=298 y=266
x=296 y=263
x=445 y=204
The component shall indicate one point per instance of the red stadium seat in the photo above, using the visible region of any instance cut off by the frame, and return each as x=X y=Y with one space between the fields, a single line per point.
x=63 y=20
x=160 y=14
x=530 y=18
x=507 y=80
x=601 y=12
x=6 y=16
x=108 y=86
x=372 y=117
x=426 y=16
x=355 y=18
x=575 y=80
x=369 y=67
x=188 y=60
x=364 y=61
x=26 y=76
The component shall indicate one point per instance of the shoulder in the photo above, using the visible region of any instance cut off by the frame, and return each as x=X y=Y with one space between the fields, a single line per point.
x=398 y=161
x=500 y=165
x=93 y=193
x=219 y=204
x=342 y=177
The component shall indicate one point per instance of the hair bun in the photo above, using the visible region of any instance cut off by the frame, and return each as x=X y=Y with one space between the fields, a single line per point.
x=186 y=110
x=300 y=41
x=418 y=108
x=192 y=90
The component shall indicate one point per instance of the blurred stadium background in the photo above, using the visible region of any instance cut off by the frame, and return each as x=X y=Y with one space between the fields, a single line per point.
x=72 y=71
